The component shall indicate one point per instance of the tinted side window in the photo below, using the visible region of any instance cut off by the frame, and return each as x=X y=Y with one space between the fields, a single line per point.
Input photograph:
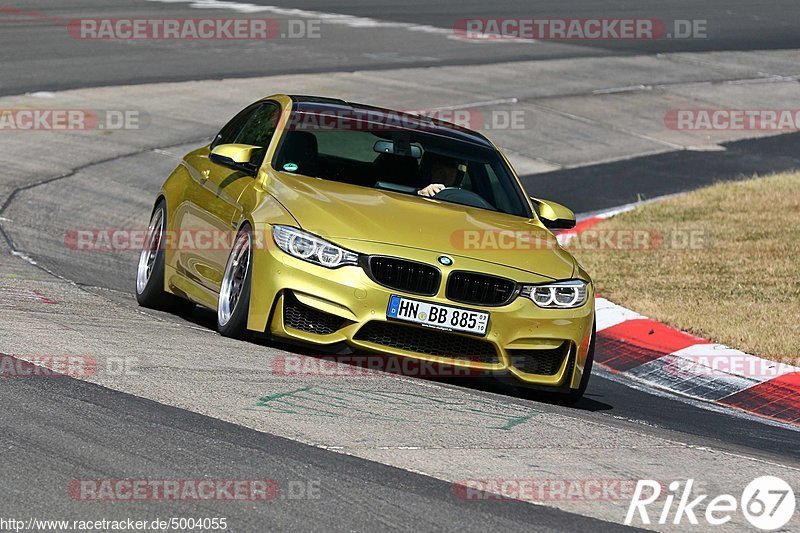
x=354 y=145
x=229 y=131
x=259 y=129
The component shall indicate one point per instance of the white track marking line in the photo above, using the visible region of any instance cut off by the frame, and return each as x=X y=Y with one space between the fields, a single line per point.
x=483 y=103
x=610 y=314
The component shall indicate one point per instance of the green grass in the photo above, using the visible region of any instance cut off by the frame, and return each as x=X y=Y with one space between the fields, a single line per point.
x=739 y=286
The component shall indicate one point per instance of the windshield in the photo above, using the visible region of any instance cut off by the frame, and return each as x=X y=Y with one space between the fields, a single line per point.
x=407 y=161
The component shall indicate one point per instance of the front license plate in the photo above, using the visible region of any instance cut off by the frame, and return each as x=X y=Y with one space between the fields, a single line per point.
x=437 y=316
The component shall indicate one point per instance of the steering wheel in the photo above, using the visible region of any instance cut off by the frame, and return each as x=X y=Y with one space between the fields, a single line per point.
x=461 y=196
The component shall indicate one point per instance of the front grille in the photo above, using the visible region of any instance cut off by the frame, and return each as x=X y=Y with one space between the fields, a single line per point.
x=406 y=276
x=297 y=315
x=542 y=362
x=427 y=341
x=479 y=289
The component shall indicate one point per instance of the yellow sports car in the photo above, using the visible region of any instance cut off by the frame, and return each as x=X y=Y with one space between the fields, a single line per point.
x=357 y=228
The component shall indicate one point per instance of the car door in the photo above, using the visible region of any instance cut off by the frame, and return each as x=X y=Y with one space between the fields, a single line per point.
x=211 y=211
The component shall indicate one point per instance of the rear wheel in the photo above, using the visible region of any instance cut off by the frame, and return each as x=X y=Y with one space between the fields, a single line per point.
x=234 y=294
x=150 y=270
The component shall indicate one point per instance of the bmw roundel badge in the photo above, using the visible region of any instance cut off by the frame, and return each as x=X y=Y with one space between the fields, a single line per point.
x=446 y=261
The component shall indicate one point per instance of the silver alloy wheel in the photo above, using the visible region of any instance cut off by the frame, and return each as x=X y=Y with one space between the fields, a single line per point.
x=147 y=259
x=233 y=280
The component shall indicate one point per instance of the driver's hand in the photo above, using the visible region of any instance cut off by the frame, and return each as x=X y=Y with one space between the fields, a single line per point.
x=431 y=190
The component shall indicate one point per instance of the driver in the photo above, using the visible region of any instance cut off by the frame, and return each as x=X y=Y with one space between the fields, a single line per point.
x=442 y=173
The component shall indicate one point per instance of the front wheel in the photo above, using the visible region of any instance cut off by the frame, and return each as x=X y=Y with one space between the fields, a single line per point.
x=234 y=293
x=575 y=395
x=150 y=270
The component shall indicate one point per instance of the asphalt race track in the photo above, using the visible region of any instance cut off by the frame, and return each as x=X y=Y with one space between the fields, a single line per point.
x=357 y=494
x=384 y=452
x=52 y=60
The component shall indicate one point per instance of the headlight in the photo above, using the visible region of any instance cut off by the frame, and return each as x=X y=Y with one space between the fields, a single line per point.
x=311 y=248
x=558 y=295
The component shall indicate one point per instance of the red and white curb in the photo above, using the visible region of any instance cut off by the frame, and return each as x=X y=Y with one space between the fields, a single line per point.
x=663 y=357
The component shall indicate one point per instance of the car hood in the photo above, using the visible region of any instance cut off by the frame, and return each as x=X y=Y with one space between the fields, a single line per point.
x=341 y=211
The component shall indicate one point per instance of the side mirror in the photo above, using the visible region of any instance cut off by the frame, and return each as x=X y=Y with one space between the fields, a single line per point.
x=235 y=156
x=554 y=215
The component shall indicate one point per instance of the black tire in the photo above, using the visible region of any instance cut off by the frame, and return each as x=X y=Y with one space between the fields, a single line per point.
x=575 y=395
x=235 y=325
x=150 y=287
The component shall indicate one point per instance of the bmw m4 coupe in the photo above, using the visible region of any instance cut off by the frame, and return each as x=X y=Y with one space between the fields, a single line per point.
x=358 y=228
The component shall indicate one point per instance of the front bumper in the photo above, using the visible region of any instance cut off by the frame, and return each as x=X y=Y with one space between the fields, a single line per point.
x=301 y=302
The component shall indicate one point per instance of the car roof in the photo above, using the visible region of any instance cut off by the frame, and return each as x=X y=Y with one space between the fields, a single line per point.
x=319 y=104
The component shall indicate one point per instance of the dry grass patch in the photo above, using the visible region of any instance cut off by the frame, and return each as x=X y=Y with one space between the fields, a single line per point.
x=739 y=284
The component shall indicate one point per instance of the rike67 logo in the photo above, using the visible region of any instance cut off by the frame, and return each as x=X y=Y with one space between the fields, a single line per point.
x=767 y=502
